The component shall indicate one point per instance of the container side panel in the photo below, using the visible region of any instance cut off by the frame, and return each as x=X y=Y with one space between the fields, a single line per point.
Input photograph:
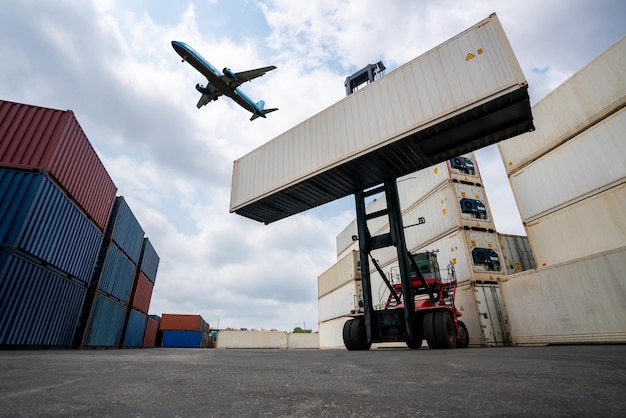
x=135 y=329
x=149 y=339
x=37 y=306
x=182 y=339
x=149 y=260
x=331 y=333
x=126 y=230
x=142 y=293
x=343 y=271
x=340 y=302
x=181 y=322
x=106 y=323
x=118 y=274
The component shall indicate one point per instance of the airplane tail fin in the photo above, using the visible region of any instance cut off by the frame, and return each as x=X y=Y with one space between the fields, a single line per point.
x=261 y=104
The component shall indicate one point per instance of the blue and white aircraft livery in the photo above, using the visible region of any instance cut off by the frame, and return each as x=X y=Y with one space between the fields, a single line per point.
x=225 y=82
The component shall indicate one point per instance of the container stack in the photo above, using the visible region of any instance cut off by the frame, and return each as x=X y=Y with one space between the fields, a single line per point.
x=184 y=331
x=104 y=311
x=55 y=199
x=458 y=225
x=569 y=180
x=137 y=310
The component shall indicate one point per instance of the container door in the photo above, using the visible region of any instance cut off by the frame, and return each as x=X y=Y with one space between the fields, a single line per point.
x=492 y=315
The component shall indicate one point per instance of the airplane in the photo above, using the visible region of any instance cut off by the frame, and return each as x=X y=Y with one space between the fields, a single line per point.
x=226 y=82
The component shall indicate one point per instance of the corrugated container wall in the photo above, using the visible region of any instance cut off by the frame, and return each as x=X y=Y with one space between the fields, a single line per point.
x=135 y=330
x=117 y=275
x=184 y=339
x=142 y=293
x=38 y=307
x=517 y=255
x=36 y=216
x=149 y=262
x=50 y=140
x=590 y=95
x=124 y=229
x=152 y=326
x=105 y=324
x=182 y=322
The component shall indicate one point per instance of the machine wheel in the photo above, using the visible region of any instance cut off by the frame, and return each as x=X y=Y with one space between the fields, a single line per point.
x=429 y=329
x=463 y=340
x=445 y=332
x=354 y=335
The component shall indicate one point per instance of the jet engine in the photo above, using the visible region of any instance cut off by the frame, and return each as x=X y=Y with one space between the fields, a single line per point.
x=229 y=73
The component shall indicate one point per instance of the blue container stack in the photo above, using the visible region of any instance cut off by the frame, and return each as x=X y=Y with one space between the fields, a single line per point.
x=104 y=312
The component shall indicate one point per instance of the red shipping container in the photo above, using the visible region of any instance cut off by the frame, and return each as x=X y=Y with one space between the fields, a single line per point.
x=180 y=322
x=38 y=138
x=149 y=337
x=142 y=293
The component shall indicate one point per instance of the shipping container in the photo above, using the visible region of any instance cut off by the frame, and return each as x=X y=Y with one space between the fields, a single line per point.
x=124 y=230
x=594 y=225
x=342 y=301
x=465 y=302
x=465 y=169
x=38 y=306
x=577 y=302
x=331 y=333
x=117 y=275
x=182 y=322
x=517 y=255
x=590 y=95
x=152 y=326
x=37 y=217
x=593 y=161
x=149 y=262
x=464 y=94
x=142 y=293
x=105 y=324
x=135 y=330
x=185 y=339
x=343 y=271
x=37 y=138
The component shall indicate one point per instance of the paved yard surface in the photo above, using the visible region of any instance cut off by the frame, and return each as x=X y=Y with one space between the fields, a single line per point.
x=588 y=380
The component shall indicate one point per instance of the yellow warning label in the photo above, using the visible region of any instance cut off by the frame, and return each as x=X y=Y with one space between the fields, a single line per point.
x=443 y=211
x=469 y=56
x=480 y=51
x=462 y=194
x=436 y=170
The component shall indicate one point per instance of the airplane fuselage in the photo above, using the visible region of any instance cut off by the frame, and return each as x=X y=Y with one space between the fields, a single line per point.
x=214 y=76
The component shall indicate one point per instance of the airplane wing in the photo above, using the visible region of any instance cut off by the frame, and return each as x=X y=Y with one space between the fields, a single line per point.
x=244 y=76
x=208 y=93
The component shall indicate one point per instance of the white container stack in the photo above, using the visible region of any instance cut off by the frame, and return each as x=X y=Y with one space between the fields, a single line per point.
x=569 y=181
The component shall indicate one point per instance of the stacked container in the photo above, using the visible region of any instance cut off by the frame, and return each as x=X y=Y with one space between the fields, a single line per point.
x=152 y=328
x=569 y=181
x=184 y=331
x=137 y=310
x=55 y=198
x=104 y=312
x=458 y=225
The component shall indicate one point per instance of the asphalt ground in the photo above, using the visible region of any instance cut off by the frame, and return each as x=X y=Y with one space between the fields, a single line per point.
x=569 y=381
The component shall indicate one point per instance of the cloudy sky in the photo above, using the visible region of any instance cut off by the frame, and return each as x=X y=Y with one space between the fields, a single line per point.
x=111 y=62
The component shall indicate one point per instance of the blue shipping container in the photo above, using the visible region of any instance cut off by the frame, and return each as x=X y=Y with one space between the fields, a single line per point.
x=37 y=217
x=117 y=274
x=38 y=307
x=135 y=329
x=182 y=339
x=124 y=229
x=149 y=260
x=105 y=324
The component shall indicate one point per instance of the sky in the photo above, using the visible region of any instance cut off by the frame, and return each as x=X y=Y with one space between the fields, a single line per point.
x=112 y=64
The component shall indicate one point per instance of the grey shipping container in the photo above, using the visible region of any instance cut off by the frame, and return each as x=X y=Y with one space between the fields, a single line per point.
x=516 y=253
x=465 y=94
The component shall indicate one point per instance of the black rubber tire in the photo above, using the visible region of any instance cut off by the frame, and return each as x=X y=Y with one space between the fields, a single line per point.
x=429 y=329
x=358 y=335
x=445 y=331
x=463 y=340
x=354 y=335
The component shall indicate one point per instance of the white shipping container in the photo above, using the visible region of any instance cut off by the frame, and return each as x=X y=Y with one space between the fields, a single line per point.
x=341 y=301
x=591 y=162
x=465 y=302
x=471 y=88
x=464 y=170
x=590 y=95
x=331 y=333
x=517 y=255
x=343 y=271
x=492 y=315
x=575 y=302
x=588 y=227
